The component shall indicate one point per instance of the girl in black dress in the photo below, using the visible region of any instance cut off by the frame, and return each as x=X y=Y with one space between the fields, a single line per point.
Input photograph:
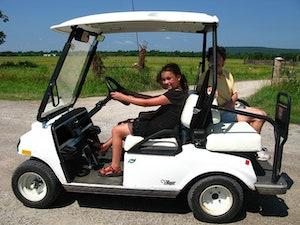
x=165 y=117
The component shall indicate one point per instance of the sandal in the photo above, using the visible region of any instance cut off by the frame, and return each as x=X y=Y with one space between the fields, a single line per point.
x=109 y=171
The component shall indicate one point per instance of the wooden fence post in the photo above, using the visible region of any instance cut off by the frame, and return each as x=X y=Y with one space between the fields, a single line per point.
x=278 y=62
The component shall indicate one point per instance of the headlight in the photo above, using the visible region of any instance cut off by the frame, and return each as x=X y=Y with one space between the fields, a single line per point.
x=26 y=152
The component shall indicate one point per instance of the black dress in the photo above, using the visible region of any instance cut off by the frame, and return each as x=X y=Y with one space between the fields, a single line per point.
x=165 y=117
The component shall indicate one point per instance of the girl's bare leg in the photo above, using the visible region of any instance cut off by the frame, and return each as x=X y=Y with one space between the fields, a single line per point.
x=118 y=133
x=106 y=145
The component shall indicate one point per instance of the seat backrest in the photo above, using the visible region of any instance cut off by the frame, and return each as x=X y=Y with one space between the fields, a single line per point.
x=188 y=110
x=216 y=115
x=189 y=107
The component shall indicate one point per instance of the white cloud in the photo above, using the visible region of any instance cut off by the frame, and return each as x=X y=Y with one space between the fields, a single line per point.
x=124 y=42
x=128 y=42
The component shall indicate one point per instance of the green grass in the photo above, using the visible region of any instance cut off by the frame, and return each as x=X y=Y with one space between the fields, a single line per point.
x=243 y=71
x=29 y=83
x=23 y=83
x=189 y=65
x=266 y=98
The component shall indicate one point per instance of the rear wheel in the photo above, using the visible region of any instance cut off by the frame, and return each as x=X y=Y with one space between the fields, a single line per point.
x=216 y=199
x=35 y=184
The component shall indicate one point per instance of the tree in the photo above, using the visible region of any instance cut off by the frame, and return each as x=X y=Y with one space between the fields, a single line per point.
x=4 y=18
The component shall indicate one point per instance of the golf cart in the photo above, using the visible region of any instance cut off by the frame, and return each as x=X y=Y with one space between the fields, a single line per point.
x=213 y=162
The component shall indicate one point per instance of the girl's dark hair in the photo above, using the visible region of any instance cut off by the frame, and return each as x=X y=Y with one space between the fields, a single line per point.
x=174 y=68
x=220 y=50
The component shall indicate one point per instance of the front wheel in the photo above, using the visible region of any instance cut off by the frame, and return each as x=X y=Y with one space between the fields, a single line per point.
x=216 y=199
x=35 y=184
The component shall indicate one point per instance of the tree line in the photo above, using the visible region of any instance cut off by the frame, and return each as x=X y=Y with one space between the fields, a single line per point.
x=259 y=55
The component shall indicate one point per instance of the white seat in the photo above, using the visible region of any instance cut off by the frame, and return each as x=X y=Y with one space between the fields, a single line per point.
x=188 y=111
x=233 y=137
x=227 y=137
x=131 y=140
x=186 y=117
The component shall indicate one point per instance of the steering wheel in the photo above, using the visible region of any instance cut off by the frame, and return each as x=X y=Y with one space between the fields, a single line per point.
x=112 y=85
x=243 y=102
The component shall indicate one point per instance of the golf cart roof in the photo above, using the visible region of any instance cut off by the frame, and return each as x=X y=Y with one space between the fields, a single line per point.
x=141 y=21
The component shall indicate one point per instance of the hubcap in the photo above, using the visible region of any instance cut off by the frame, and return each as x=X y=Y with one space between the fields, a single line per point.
x=216 y=200
x=32 y=186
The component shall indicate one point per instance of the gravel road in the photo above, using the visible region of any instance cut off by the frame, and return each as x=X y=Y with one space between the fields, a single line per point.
x=16 y=118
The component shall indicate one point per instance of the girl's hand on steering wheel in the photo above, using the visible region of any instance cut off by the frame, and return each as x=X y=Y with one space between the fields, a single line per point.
x=119 y=96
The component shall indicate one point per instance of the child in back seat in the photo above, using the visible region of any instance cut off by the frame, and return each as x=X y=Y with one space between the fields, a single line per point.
x=226 y=93
x=227 y=96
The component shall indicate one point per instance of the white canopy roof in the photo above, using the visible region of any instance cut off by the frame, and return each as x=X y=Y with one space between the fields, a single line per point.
x=141 y=21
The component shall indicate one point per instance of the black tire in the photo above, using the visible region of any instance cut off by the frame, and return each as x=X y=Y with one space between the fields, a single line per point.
x=224 y=194
x=35 y=184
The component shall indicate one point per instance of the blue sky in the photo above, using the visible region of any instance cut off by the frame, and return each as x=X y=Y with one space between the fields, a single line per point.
x=257 y=23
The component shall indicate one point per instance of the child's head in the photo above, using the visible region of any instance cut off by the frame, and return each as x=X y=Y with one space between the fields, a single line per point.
x=221 y=56
x=221 y=51
x=170 y=77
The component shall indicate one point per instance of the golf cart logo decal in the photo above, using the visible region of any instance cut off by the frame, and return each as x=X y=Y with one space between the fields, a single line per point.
x=167 y=182
x=131 y=160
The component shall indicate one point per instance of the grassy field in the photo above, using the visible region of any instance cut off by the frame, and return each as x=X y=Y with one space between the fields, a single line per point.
x=266 y=98
x=25 y=83
x=21 y=83
x=29 y=83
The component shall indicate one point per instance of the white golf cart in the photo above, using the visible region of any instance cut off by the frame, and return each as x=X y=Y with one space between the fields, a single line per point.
x=213 y=162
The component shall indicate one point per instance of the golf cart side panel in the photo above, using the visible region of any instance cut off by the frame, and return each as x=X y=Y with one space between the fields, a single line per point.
x=174 y=173
x=40 y=143
x=214 y=162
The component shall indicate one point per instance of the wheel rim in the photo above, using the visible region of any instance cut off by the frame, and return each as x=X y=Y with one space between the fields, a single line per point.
x=216 y=200
x=32 y=186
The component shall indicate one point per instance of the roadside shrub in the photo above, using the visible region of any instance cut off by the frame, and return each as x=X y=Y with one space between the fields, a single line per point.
x=27 y=64
x=22 y=64
x=8 y=64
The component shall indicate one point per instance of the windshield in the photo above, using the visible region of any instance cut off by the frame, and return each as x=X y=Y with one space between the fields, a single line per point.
x=71 y=72
x=64 y=86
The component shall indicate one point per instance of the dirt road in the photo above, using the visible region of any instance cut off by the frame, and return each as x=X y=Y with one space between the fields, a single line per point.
x=16 y=118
